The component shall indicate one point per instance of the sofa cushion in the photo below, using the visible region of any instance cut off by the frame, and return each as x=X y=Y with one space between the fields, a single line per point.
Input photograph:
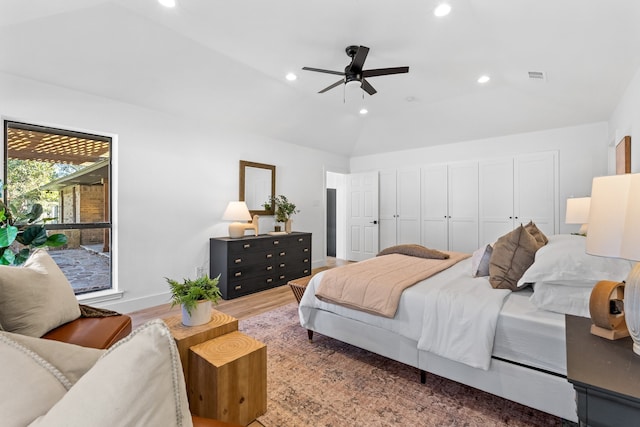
x=138 y=381
x=36 y=373
x=35 y=297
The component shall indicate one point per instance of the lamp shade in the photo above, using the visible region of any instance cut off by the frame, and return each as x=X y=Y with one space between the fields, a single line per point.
x=614 y=217
x=578 y=210
x=236 y=211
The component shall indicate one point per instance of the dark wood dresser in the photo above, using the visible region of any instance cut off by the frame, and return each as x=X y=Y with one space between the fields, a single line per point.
x=605 y=375
x=255 y=263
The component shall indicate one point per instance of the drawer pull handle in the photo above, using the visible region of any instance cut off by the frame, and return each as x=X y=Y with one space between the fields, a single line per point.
x=300 y=239
x=306 y=260
x=238 y=260
x=276 y=242
x=269 y=268
x=281 y=276
x=283 y=253
x=305 y=250
x=282 y=265
x=306 y=271
x=238 y=287
x=269 y=255
x=269 y=280
x=238 y=274
x=246 y=245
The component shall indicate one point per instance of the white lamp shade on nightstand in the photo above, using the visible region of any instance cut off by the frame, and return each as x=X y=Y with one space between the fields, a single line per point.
x=578 y=212
x=614 y=231
x=236 y=211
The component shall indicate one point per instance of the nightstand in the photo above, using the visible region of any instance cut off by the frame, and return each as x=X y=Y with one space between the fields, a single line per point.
x=605 y=375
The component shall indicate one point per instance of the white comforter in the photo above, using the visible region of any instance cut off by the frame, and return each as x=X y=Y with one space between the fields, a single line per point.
x=460 y=321
x=410 y=318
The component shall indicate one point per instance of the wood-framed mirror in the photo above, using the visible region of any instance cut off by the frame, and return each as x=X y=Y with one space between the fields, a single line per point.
x=257 y=186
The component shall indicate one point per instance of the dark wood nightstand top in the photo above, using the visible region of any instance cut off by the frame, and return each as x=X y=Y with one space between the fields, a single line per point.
x=596 y=362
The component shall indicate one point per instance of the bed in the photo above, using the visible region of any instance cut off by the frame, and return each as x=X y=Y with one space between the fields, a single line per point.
x=526 y=356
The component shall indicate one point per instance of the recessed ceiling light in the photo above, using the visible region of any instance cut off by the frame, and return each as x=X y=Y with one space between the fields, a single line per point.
x=443 y=9
x=167 y=3
x=483 y=79
x=291 y=77
x=363 y=111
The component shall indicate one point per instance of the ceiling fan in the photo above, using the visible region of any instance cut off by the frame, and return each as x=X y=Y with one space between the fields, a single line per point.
x=354 y=74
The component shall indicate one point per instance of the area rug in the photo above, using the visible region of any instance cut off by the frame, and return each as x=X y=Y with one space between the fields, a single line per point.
x=332 y=384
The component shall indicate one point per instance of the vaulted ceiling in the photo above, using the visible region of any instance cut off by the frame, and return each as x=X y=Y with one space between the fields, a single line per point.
x=226 y=61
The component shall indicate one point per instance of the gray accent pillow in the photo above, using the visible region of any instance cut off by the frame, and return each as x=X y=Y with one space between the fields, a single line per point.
x=414 y=250
x=480 y=261
x=36 y=297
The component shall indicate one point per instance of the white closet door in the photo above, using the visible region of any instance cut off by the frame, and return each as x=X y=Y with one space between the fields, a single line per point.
x=463 y=207
x=496 y=214
x=408 y=206
x=362 y=219
x=388 y=202
x=536 y=191
x=434 y=196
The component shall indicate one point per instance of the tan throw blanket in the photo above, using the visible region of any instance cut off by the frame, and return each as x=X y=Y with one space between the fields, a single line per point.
x=375 y=285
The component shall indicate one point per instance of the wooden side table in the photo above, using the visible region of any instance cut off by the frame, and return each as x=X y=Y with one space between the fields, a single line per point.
x=188 y=336
x=605 y=375
x=228 y=378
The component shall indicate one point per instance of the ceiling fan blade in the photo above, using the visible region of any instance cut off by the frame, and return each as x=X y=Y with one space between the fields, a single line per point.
x=320 y=70
x=384 y=71
x=358 y=59
x=338 y=83
x=366 y=86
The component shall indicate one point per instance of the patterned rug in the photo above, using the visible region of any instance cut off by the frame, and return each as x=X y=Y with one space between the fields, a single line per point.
x=332 y=384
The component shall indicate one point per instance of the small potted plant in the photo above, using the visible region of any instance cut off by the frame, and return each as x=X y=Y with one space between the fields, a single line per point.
x=195 y=297
x=284 y=209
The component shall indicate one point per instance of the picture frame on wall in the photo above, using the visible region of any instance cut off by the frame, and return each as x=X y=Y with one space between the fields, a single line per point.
x=623 y=156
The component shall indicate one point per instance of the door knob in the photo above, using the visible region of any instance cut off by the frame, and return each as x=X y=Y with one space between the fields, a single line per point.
x=373 y=222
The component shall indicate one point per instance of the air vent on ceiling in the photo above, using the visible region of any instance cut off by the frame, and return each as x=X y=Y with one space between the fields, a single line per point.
x=537 y=75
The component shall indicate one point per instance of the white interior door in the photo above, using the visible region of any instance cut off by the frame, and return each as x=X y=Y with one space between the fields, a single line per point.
x=408 y=206
x=496 y=199
x=362 y=216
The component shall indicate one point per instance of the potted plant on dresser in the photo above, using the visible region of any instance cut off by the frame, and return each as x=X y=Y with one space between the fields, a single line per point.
x=284 y=209
x=195 y=297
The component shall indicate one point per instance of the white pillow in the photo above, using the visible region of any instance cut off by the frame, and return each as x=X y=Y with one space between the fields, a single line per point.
x=36 y=297
x=137 y=382
x=564 y=260
x=562 y=299
x=36 y=373
x=480 y=261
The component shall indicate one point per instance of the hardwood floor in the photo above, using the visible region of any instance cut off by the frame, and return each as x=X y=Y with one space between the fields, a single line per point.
x=240 y=308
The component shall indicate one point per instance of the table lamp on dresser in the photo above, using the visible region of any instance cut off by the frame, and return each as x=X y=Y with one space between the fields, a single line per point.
x=236 y=212
x=614 y=231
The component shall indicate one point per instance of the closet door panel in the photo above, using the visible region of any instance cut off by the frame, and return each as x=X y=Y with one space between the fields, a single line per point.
x=408 y=206
x=463 y=206
x=387 y=218
x=496 y=215
x=536 y=190
x=434 y=196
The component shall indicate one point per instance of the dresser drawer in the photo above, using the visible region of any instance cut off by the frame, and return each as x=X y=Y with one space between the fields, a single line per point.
x=251 y=258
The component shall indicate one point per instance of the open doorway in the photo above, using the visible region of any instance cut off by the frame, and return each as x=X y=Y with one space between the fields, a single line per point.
x=336 y=216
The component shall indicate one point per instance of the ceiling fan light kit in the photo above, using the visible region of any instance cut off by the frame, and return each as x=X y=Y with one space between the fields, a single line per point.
x=354 y=74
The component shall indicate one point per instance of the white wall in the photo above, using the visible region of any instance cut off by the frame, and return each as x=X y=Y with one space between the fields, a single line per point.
x=582 y=155
x=624 y=121
x=172 y=181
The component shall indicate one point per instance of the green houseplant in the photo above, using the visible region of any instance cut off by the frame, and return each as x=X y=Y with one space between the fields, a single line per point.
x=284 y=209
x=195 y=297
x=27 y=230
